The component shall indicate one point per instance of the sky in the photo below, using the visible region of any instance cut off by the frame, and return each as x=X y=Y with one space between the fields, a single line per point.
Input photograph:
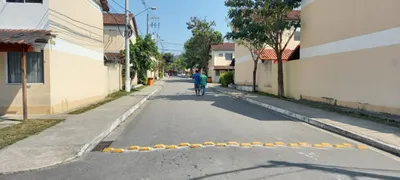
x=173 y=15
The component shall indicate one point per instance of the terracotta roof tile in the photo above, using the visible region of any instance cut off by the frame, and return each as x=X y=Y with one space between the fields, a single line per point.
x=114 y=19
x=223 y=47
x=269 y=54
x=23 y=36
x=294 y=15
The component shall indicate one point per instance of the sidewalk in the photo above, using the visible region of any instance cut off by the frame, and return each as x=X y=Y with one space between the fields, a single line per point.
x=375 y=134
x=71 y=138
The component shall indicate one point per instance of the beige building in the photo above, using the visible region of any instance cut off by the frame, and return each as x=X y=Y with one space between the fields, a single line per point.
x=114 y=43
x=353 y=62
x=221 y=59
x=65 y=67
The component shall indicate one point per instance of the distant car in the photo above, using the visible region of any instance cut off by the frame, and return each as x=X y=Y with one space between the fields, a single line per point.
x=181 y=75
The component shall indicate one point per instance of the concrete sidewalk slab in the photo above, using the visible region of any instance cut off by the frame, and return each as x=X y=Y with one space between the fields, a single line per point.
x=71 y=138
x=378 y=135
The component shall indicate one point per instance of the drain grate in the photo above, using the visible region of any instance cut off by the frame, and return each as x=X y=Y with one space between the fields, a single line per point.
x=102 y=145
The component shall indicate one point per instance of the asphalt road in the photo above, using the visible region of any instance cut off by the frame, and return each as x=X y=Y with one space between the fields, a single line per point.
x=175 y=115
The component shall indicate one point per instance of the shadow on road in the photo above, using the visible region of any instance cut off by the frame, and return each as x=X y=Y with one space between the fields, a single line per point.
x=351 y=172
x=227 y=103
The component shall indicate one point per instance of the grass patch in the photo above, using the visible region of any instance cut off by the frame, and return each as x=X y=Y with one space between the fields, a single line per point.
x=17 y=132
x=109 y=98
x=338 y=109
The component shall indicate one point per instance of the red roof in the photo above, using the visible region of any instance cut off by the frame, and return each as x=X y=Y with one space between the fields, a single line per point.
x=223 y=47
x=23 y=36
x=294 y=15
x=118 y=19
x=269 y=54
x=104 y=5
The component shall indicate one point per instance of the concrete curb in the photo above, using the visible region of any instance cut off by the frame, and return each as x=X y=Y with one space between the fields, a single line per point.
x=89 y=146
x=315 y=122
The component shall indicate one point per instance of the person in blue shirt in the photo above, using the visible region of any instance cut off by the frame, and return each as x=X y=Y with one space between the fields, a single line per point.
x=196 y=78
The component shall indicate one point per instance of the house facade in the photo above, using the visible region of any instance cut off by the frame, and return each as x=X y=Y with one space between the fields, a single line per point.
x=221 y=59
x=114 y=43
x=64 y=72
x=266 y=78
x=353 y=62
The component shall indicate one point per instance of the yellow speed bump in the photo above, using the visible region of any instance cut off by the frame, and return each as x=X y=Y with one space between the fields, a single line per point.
x=304 y=144
x=362 y=147
x=339 y=146
x=347 y=145
x=279 y=143
x=233 y=143
x=108 y=149
x=118 y=150
x=159 y=146
x=145 y=149
x=293 y=145
x=209 y=143
x=326 y=145
x=318 y=146
x=184 y=144
x=196 y=146
x=134 y=148
x=221 y=145
x=256 y=143
x=172 y=147
x=269 y=144
x=245 y=144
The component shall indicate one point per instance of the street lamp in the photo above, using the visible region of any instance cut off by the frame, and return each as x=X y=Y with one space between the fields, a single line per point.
x=127 y=64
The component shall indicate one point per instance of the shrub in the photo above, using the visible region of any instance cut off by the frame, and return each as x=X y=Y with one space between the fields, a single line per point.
x=226 y=78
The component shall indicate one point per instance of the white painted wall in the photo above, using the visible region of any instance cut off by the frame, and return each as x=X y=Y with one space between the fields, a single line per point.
x=24 y=15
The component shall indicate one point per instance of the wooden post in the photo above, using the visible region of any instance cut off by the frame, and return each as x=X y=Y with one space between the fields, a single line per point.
x=24 y=100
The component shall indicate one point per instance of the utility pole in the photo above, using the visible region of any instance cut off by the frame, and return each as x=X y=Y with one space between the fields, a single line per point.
x=127 y=62
x=148 y=21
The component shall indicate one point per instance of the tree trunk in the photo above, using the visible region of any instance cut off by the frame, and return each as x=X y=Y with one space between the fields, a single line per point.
x=281 y=91
x=255 y=75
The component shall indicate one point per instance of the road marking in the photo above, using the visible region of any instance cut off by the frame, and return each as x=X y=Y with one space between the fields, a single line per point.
x=210 y=144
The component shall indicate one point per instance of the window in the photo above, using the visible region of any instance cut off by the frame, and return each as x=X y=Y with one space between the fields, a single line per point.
x=220 y=55
x=24 y=1
x=34 y=67
x=228 y=56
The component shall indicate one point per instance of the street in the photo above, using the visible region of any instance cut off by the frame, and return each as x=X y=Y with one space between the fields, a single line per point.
x=175 y=115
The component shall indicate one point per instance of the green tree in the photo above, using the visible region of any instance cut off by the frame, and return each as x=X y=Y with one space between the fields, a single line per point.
x=168 y=58
x=140 y=57
x=266 y=22
x=198 y=47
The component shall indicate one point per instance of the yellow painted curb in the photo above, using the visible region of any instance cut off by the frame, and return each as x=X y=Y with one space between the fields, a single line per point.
x=118 y=150
x=347 y=145
x=221 y=145
x=108 y=150
x=209 y=143
x=279 y=143
x=233 y=143
x=184 y=144
x=304 y=144
x=133 y=148
x=145 y=149
x=245 y=144
x=318 y=145
x=339 y=146
x=159 y=146
x=293 y=145
x=256 y=143
x=269 y=144
x=326 y=145
x=196 y=146
x=362 y=147
x=172 y=147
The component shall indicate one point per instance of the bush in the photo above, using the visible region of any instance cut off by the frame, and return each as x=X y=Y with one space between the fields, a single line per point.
x=226 y=78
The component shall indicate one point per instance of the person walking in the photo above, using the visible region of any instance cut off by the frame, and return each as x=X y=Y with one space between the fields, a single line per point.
x=203 y=83
x=196 y=78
